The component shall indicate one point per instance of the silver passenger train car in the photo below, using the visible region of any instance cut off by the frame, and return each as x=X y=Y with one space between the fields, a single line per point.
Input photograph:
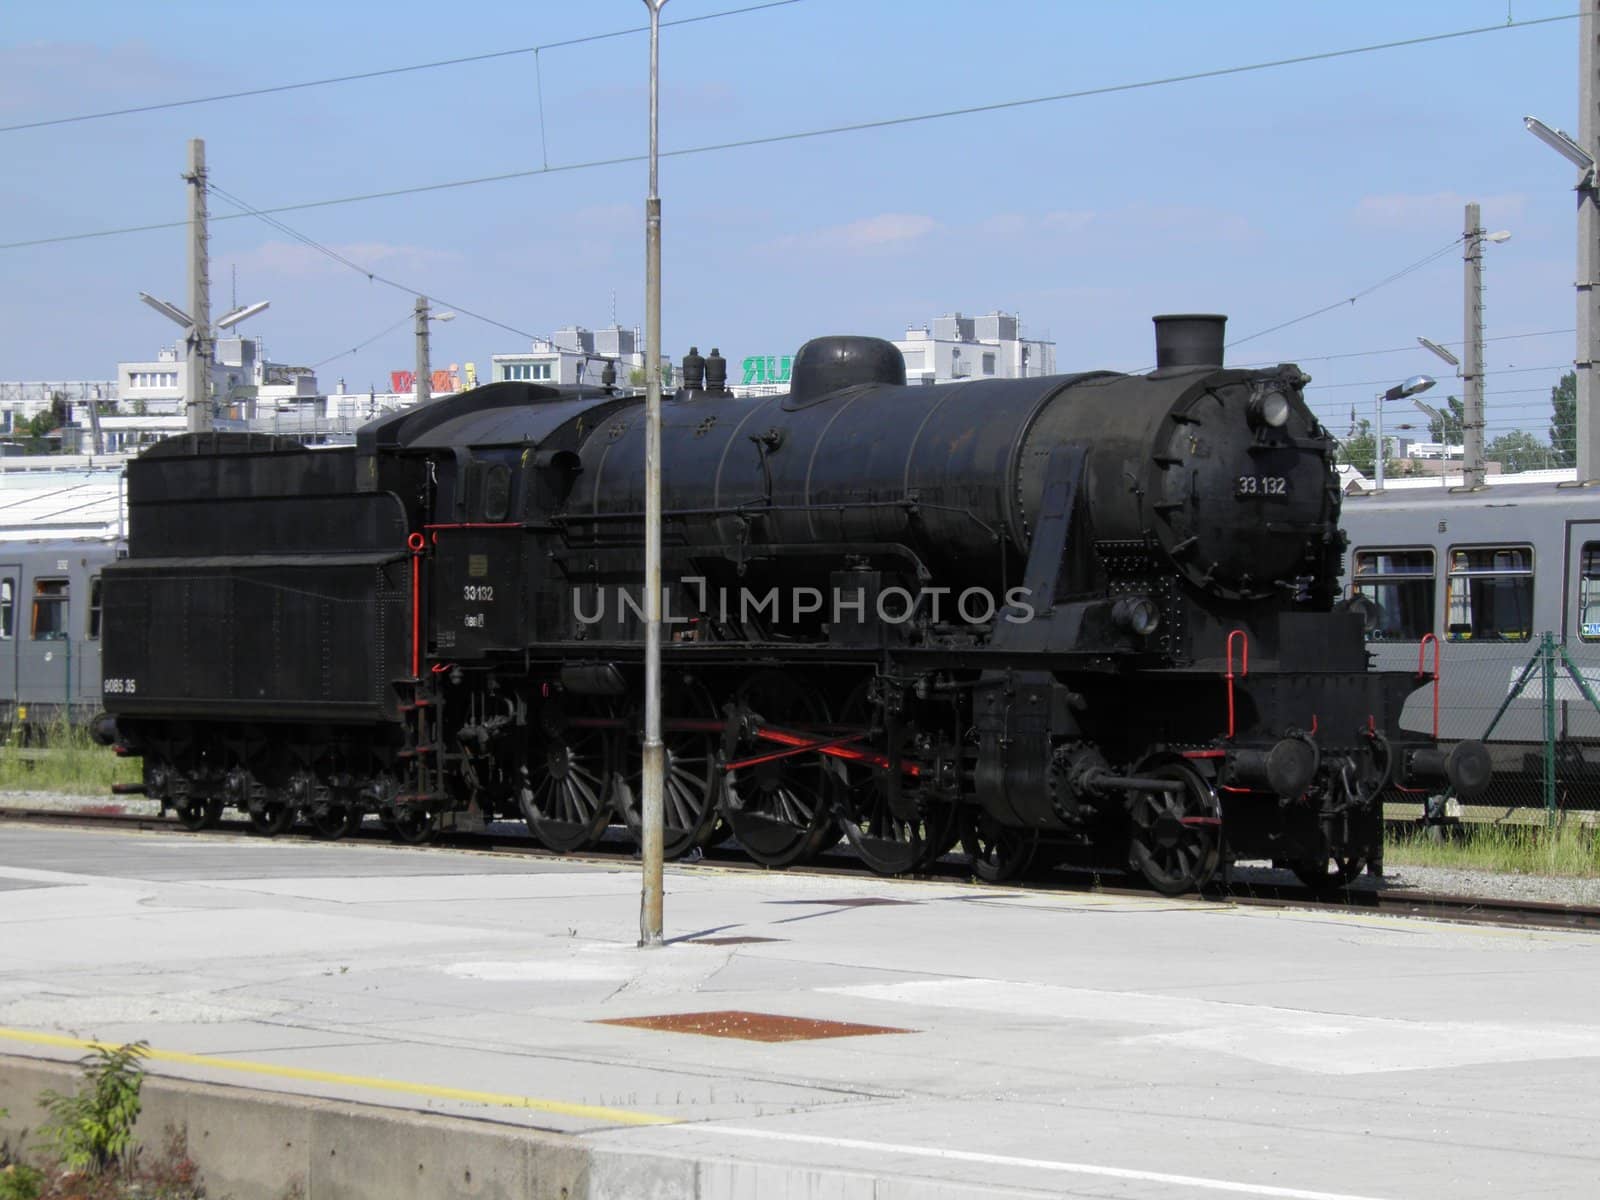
x=1466 y=584
x=50 y=631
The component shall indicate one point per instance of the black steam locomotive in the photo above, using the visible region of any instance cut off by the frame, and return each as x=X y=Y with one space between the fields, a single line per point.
x=1089 y=615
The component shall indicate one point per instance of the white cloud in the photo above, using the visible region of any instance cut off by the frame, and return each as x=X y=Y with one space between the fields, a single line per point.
x=296 y=261
x=1068 y=220
x=1440 y=210
x=886 y=231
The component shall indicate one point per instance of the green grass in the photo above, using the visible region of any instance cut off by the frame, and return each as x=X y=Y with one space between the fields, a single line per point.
x=1571 y=850
x=67 y=762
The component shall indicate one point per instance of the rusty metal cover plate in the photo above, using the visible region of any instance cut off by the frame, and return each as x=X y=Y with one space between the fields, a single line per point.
x=751 y=1026
x=730 y=941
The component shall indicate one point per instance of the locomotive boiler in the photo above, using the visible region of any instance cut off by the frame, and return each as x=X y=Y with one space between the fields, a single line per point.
x=1093 y=616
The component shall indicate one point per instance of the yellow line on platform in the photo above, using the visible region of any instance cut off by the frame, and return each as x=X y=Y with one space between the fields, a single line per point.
x=593 y=1112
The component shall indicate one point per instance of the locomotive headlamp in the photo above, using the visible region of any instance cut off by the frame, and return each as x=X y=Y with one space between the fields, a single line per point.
x=1270 y=409
x=1136 y=614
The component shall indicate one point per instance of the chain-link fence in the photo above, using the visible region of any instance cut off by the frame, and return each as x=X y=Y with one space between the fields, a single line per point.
x=1536 y=705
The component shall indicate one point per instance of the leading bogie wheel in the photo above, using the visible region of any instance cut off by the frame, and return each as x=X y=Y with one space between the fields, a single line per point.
x=1324 y=875
x=780 y=806
x=997 y=852
x=1175 y=836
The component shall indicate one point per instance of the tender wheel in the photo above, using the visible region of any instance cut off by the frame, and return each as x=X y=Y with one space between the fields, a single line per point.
x=412 y=825
x=567 y=799
x=781 y=810
x=1329 y=873
x=334 y=821
x=690 y=774
x=887 y=843
x=1175 y=837
x=998 y=852
x=198 y=812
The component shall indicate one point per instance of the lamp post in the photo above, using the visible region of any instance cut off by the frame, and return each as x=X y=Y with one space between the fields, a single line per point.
x=422 y=385
x=651 y=850
x=1582 y=152
x=1417 y=383
x=201 y=351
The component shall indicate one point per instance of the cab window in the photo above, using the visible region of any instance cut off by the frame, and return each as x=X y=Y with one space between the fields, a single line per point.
x=49 y=610
x=497 y=492
x=1402 y=584
x=93 y=630
x=1589 y=593
x=8 y=608
x=1491 y=594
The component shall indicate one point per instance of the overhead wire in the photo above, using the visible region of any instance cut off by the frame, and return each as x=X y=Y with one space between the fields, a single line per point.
x=384 y=72
x=362 y=345
x=345 y=261
x=1353 y=297
x=852 y=127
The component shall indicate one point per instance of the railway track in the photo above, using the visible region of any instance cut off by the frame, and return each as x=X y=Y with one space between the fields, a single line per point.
x=1247 y=892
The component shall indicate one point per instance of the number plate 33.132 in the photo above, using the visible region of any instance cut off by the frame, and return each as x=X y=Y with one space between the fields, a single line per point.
x=1261 y=485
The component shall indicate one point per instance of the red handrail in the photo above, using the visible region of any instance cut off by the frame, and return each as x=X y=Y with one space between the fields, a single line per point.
x=415 y=543
x=1244 y=670
x=1422 y=653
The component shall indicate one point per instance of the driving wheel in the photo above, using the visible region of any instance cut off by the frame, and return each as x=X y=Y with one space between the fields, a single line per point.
x=780 y=804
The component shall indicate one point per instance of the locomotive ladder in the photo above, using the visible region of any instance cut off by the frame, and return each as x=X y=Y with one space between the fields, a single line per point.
x=423 y=753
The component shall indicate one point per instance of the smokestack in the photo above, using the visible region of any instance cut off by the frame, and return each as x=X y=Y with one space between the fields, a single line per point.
x=1189 y=340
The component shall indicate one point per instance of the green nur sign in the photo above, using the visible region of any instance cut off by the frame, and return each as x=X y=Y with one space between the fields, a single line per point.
x=770 y=368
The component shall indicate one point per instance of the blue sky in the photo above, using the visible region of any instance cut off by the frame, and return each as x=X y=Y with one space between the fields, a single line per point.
x=1262 y=195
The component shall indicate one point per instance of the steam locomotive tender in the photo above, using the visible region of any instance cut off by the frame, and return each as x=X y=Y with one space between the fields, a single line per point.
x=1095 y=615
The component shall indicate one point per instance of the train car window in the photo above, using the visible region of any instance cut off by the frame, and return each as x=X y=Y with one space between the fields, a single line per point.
x=8 y=608
x=94 y=607
x=49 y=610
x=1491 y=594
x=1589 y=593
x=1402 y=584
x=497 y=492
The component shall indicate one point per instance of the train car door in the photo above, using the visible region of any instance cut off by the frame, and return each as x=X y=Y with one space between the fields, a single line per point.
x=1581 y=631
x=10 y=582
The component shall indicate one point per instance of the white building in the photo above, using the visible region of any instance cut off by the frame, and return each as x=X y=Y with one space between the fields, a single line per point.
x=20 y=402
x=241 y=377
x=958 y=347
x=575 y=355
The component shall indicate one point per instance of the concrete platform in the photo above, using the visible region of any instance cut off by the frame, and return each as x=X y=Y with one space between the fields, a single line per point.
x=307 y=1002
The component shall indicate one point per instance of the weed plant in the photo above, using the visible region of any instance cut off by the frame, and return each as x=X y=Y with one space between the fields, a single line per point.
x=64 y=759
x=1569 y=849
x=88 y=1152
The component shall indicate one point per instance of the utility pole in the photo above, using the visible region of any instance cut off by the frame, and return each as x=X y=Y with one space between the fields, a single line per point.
x=424 y=380
x=197 y=365
x=1472 y=368
x=652 y=849
x=1588 y=431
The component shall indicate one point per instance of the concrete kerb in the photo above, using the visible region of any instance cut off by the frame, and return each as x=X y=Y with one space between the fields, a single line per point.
x=255 y=1145
x=258 y=1145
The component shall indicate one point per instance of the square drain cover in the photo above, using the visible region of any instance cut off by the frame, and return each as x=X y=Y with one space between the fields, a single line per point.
x=751 y=1026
